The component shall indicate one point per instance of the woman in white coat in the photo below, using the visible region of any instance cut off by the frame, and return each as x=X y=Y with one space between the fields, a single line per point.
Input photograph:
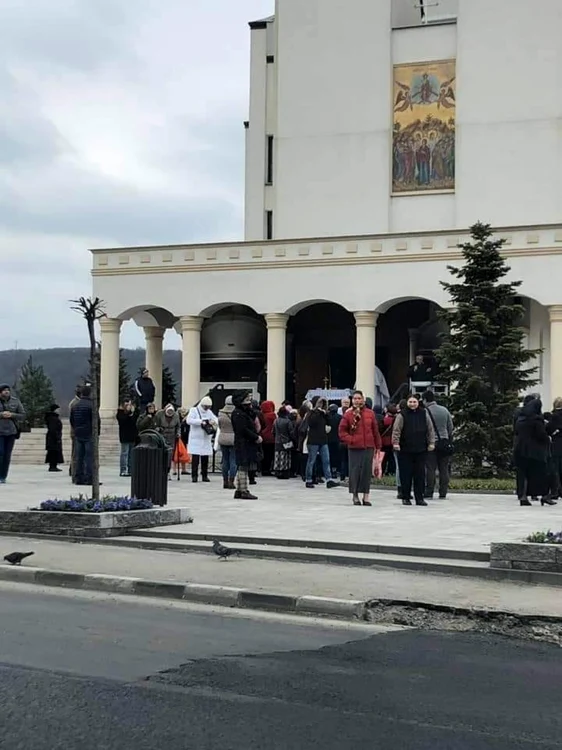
x=202 y=428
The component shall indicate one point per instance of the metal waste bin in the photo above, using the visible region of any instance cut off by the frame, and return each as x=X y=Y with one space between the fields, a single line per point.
x=152 y=459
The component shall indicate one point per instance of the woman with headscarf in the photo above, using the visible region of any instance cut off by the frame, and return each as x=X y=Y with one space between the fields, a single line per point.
x=147 y=420
x=247 y=441
x=202 y=429
x=359 y=432
x=531 y=453
x=53 y=438
x=412 y=437
x=284 y=435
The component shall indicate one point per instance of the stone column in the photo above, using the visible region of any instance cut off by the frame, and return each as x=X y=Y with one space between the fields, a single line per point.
x=413 y=335
x=276 y=356
x=191 y=359
x=109 y=367
x=366 y=326
x=154 y=344
x=555 y=312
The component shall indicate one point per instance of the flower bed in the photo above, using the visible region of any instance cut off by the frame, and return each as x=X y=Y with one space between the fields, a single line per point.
x=83 y=504
x=545 y=537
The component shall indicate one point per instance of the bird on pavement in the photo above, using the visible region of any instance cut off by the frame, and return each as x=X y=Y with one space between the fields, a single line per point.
x=222 y=552
x=15 y=558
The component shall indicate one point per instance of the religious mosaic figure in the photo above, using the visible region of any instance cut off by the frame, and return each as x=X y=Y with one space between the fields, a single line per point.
x=423 y=149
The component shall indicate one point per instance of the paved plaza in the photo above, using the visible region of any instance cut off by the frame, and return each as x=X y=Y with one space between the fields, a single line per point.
x=287 y=510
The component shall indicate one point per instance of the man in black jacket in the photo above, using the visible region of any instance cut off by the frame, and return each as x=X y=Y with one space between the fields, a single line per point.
x=317 y=443
x=81 y=421
x=145 y=390
x=127 y=419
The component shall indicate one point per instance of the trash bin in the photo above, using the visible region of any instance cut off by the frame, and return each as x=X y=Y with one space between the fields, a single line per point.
x=151 y=463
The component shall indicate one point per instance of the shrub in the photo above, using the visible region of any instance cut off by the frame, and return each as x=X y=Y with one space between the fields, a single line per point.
x=495 y=484
x=107 y=504
x=545 y=537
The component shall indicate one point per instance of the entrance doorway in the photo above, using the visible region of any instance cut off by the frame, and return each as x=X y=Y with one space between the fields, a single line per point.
x=320 y=349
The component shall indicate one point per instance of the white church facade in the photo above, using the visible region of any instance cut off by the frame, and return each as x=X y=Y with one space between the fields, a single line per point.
x=378 y=133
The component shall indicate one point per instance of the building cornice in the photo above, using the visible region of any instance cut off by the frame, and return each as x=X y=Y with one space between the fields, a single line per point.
x=445 y=256
x=461 y=233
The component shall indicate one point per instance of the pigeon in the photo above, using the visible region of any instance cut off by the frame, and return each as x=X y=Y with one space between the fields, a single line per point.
x=222 y=552
x=15 y=558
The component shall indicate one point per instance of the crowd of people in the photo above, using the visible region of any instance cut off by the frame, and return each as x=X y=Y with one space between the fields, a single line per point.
x=318 y=443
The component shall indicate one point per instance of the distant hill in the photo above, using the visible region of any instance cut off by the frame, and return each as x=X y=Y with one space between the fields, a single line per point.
x=67 y=367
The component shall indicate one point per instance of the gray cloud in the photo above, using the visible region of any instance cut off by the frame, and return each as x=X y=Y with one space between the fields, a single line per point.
x=120 y=124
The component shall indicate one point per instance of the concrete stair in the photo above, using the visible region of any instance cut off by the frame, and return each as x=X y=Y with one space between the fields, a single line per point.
x=29 y=450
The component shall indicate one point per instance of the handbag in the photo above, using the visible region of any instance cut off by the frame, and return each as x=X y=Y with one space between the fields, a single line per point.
x=444 y=446
x=207 y=427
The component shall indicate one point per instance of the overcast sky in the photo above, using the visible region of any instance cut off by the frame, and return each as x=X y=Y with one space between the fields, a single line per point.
x=121 y=124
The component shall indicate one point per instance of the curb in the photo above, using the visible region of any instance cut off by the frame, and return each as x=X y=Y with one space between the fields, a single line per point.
x=196 y=593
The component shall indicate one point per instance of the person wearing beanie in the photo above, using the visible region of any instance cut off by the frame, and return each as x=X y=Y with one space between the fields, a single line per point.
x=53 y=438
x=247 y=441
x=12 y=416
x=167 y=423
x=202 y=430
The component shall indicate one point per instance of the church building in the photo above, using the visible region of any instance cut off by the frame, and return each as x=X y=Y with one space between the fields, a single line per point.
x=378 y=132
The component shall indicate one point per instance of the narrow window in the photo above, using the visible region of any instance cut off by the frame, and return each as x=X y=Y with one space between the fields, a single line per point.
x=269 y=162
x=269 y=225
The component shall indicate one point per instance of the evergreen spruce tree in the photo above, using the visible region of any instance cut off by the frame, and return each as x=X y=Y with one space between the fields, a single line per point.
x=483 y=358
x=124 y=381
x=35 y=391
x=169 y=387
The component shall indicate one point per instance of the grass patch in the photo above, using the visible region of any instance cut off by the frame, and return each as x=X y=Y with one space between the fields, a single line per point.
x=458 y=483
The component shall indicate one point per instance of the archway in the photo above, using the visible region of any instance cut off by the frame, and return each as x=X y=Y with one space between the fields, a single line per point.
x=233 y=345
x=405 y=328
x=320 y=348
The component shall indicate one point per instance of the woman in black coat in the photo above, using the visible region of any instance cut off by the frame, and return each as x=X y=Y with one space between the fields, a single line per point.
x=531 y=453
x=53 y=438
x=247 y=442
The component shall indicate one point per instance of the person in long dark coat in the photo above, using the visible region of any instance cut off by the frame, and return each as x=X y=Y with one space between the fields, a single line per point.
x=53 y=438
x=531 y=453
x=247 y=441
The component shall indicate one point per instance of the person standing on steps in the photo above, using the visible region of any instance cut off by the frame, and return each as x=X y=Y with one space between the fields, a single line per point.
x=53 y=438
x=128 y=435
x=359 y=432
x=247 y=441
x=413 y=437
x=225 y=442
x=439 y=459
x=145 y=390
x=202 y=430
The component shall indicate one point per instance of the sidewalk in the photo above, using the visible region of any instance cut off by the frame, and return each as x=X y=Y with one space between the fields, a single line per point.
x=278 y=577
x=287 y=510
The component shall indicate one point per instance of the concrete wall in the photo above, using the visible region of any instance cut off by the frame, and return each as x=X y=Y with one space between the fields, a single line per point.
x=328 y=102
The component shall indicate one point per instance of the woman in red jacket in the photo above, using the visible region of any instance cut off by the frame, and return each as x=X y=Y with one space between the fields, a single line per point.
x=359 y=431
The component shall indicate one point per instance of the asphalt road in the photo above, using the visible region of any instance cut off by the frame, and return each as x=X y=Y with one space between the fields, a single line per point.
x=92 y=672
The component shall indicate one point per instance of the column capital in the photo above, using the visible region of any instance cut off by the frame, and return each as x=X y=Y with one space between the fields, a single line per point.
x=555 y=313
x=110 y=325
x=366 y=319
x=190 y=323
x=276 y=320
x=154 y=332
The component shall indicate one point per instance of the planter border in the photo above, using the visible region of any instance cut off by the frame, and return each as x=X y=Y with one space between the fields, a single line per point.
x=526 y=556
x=87 y=524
